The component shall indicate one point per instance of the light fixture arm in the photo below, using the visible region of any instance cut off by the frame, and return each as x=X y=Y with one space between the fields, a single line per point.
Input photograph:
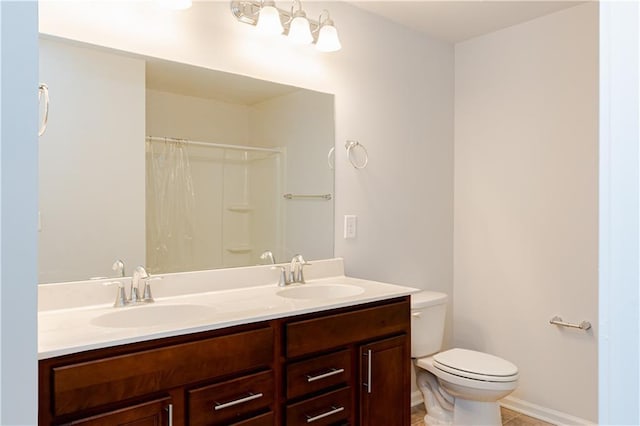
x=247 y=11
x=327 y=19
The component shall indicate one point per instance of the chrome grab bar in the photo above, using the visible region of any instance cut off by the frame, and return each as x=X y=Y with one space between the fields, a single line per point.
x=584 y=325
x=331 y=372
x=332 y=410
x=250 y=397
x=302 y=196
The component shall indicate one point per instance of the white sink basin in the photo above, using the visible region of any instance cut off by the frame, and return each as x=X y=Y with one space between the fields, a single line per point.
x=320 y=291
x=152 y=315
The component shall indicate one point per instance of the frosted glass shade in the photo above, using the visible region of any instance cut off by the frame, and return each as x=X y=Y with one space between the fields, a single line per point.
x=269 y=21
x=300 y=31
x=328 y=40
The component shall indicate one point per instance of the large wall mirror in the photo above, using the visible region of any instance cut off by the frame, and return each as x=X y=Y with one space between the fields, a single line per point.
x=176 y=167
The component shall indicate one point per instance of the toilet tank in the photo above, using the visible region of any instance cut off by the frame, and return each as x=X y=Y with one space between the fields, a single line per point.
x=428 y=309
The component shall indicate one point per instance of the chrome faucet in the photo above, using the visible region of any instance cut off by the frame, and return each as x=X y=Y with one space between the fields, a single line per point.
x=118 y=266
x=138 y=274
x=295 y=274
x=268 y=256
x=296 y=267
x=135 y=296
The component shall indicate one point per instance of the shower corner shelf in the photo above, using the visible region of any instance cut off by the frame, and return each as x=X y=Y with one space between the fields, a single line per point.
x=240 y=208
x=239 y=249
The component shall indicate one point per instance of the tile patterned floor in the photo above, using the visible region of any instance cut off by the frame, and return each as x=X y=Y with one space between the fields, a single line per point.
x=509 y=418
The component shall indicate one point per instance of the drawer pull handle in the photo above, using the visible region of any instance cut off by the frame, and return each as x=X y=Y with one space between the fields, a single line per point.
x=331 y=372
x=368 y=383
x=333 y=410
x=169 y=414
x=250 y=397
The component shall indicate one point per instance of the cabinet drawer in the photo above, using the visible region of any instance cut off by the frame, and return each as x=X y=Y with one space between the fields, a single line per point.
x=318 y=373
x=226 y=402
x=326 y=409
x=332 y=331
x=265 y=419
x=90 y=384
x=154 y=412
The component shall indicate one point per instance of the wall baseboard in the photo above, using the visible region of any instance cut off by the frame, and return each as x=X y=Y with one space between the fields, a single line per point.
x=532 y=410
x=542 y=413
x=416 y=398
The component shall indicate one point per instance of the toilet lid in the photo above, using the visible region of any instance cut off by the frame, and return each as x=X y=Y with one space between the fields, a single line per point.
x=475 y=365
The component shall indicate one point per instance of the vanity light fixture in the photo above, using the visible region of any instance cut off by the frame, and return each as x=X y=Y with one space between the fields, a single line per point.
x=328 y=40
x=268 y=21
x=299 y=28
x=294 y=24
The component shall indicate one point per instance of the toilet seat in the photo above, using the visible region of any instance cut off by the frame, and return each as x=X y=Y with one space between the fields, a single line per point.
x=428 y=364
x=475 y=365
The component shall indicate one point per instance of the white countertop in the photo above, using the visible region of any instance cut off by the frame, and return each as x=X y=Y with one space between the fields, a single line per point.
x=72 y=329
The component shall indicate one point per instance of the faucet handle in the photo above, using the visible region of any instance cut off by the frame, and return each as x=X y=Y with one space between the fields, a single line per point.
x=282 y=281
x=301 y=271
x=146 y=293
x=121 y=297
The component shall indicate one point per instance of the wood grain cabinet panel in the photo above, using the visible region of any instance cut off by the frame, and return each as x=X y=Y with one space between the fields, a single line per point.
x=231 y=401
x=90 y=384
x=152 y=413
x=332 y=331
x=316 y=374
x=327 y=409
x=265 y=419
x=385 y=390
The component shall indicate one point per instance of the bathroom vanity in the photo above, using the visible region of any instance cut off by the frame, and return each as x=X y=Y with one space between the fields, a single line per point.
x=323 y=361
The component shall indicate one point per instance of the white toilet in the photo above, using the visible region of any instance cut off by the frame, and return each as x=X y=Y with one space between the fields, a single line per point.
x=459 y=386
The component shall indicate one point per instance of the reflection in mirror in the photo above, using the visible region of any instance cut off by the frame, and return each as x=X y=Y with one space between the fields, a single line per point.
x=177 y=167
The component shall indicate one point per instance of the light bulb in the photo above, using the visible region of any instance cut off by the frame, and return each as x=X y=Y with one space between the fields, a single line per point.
x=328 y=40
x=269 y=19
x=300 y=30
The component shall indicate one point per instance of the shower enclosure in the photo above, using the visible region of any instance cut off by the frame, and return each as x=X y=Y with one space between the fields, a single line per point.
x=211 y=205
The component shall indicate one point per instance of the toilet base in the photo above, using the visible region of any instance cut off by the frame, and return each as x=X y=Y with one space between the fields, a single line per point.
x=466 y=412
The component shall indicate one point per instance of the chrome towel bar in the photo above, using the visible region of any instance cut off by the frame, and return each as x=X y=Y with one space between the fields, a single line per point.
x=584 y=325
x=321 y=196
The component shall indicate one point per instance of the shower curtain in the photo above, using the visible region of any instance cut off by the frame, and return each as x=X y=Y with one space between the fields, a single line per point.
x=170 y=200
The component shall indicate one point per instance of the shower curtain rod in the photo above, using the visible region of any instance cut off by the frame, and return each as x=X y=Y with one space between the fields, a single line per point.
x=213 y=145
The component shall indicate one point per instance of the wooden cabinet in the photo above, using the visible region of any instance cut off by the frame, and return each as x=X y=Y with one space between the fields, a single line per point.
x=152 y=413
x=227 y=402
x=383 y=387
x=111 y=381
x=325 y=366
x=300 y=370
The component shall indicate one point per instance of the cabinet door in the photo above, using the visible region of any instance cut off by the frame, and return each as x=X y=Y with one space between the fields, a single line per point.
x=153 y=413
x=385 y=377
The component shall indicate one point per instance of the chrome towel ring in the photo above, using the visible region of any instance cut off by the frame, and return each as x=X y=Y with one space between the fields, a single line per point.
x=43 y=92
x=350 y=145
x=331 y=158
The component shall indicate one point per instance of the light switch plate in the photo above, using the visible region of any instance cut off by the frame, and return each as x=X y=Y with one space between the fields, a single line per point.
x=350 y=226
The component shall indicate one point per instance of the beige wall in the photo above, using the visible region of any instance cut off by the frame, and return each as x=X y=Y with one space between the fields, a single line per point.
x=302 y=122
x=393 y=92
x=98 y=203
x=526 y=203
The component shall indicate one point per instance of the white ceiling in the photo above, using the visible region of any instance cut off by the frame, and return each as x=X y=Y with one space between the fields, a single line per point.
x=455 y=21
